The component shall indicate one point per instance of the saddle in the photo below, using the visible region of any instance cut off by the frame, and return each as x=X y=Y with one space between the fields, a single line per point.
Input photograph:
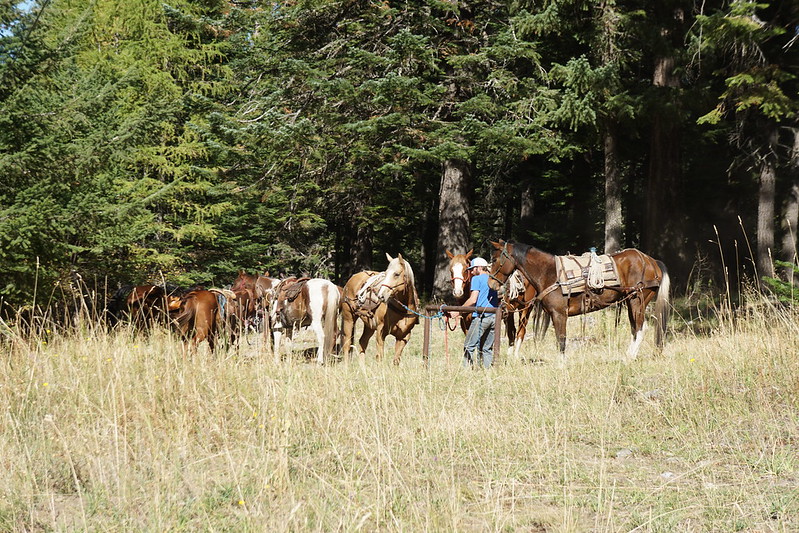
x=287 y=293
x=366 y=298
x=589 y=271
x=291 y=288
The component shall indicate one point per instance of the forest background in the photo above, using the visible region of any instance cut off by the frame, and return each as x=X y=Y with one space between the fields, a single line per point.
x=143 y=140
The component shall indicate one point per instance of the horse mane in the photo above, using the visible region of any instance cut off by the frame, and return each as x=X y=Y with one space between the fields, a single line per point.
x=411 y=281
x=520 y=251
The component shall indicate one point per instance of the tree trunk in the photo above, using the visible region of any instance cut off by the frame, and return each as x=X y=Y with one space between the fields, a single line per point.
x=453 y=220
x=356 y=251
x=664 y=229
x=526 y=213
x=790 y=218
x=614 y=222
x=765 y=209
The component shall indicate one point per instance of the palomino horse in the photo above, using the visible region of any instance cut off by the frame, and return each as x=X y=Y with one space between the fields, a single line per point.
x=196 y=319
x=519 y=298
x=641 y=278
x=386 y=302
x=306 y=302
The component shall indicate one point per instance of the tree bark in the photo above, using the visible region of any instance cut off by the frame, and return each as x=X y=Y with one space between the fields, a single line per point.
x=765 y=209
x=790 y=217
x=614 y=222
x=453 y=220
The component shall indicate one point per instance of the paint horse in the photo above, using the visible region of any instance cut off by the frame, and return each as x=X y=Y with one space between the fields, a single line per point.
x=519 y=298
x=641 y=278
x=387 y=304
x=301 y=302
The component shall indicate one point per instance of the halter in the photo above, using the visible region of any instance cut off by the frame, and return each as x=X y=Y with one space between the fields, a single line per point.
x=465 y=278
x=501 y=259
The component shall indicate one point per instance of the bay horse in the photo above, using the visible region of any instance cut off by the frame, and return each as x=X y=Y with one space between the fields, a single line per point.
x=196 y=317
x=520 y=301
x=386 y=302
x=642 y=278
x=301 y=302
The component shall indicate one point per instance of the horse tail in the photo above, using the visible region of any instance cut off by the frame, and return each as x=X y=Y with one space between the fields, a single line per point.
x=331 y=311
x=186 y=315
x=662 y=306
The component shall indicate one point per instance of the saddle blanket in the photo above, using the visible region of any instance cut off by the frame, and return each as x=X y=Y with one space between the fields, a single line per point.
x=576 y=273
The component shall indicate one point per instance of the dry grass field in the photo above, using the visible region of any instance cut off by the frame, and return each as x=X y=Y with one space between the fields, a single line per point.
x=116 y=432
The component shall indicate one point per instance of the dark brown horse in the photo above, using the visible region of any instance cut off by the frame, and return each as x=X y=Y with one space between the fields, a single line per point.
x=197 y=315
x=641 y=278
x=386 y=302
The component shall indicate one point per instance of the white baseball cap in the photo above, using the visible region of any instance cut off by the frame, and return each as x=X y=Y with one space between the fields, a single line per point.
x=478 y=262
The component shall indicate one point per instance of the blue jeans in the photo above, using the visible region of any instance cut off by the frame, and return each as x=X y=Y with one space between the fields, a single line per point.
x=480 y=337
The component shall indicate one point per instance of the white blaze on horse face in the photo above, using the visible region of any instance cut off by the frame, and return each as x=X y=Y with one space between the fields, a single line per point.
x=458 y=275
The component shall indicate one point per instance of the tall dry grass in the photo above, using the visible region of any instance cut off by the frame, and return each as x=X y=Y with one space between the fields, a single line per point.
x=116 y=432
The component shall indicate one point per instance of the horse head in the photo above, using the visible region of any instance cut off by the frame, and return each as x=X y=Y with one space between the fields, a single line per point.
x=398 y=278
x=502 y=264
x=458 y=272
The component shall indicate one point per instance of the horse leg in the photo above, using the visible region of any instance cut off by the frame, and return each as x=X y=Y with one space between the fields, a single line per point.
x=316 y=326
x=398 y=347
x=635 y=312
x=510 y=324
x=363 y=342
x=558 y=319
x=524 y=317
x=277 y=333
x=347 y=331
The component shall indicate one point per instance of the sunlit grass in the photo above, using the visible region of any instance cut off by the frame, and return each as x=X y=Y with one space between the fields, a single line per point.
x=117 y=432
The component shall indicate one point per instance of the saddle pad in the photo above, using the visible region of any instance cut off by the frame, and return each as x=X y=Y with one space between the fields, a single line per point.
x=573 y=271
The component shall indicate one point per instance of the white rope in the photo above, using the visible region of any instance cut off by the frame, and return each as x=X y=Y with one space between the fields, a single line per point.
x=366 y=292
x=596 y=274
x=515 y=285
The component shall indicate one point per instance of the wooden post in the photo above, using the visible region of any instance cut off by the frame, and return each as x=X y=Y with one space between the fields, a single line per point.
x=497 y=335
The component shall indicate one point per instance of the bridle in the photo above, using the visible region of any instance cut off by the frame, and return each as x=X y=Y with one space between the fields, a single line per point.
x=504 y=256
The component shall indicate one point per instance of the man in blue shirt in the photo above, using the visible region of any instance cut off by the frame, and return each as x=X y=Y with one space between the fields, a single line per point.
x=481 y=331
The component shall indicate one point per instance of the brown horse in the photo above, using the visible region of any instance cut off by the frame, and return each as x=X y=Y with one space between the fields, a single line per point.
x=520 y=299
x=306 y=302
x=143 y=305
x=641 y=278
x=196 y=318
x=386 y=302
x=253 y=294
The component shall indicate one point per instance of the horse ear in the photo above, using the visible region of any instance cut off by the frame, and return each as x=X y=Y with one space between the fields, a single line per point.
x=449 y=254
x=399 y=256
x=390 y=259
x=469 y=253
x=497 y=245
x=266 y=273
